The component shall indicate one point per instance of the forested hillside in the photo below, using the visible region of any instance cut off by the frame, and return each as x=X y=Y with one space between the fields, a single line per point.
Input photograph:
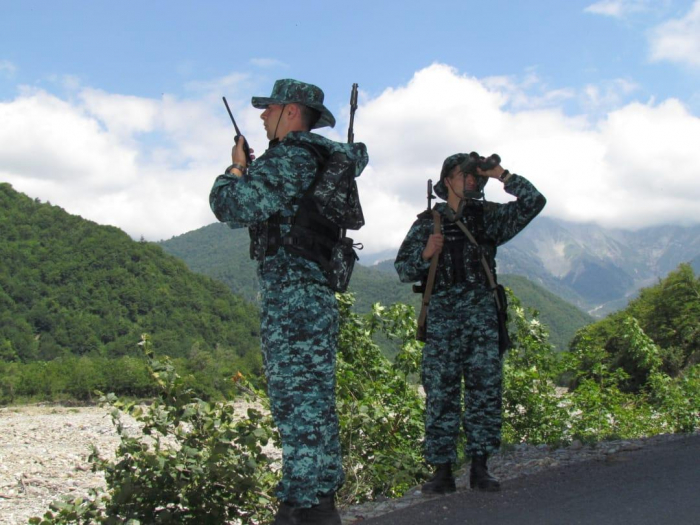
x=667 y=314
x=222 y=253
x=70 y=287
x=219 y=252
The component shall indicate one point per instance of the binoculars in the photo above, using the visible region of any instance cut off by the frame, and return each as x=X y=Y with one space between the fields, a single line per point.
x=477 y=161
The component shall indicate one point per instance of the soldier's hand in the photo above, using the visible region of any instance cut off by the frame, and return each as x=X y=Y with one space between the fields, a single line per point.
x=433 y=246
x=494 y=173
x=238 y=155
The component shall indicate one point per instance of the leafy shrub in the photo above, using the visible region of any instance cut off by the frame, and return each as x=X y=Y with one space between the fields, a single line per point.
x=193 y=463
x=533 y=410
x=379 y=408
x=617 y=387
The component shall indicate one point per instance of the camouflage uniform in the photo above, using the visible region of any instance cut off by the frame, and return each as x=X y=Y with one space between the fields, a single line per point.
x=299 y=320
x=462 y=325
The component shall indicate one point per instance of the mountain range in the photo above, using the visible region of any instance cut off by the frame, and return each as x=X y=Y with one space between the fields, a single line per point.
x=597 y=269
x=222 y=253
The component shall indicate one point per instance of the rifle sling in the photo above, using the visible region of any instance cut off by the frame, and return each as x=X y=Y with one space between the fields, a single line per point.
x=484 y=262
x=431 y=275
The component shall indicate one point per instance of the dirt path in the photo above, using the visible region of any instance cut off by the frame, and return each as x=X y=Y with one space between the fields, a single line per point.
x=651 y=485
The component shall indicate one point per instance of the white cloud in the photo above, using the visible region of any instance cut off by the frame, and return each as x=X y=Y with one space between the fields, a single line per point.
x=520 y=93
x=146 y=165
x=7 y=69
x=678 y=40
x=607 y=95
x=618 y=8
x=122 y=115
x=633 y=168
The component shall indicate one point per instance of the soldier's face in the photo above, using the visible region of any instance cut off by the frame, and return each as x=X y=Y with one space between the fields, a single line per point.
x=271 y=117
x=458 y=183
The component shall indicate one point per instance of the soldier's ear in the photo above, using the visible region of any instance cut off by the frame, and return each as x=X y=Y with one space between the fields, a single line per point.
x=448 y=183
x=293 y=111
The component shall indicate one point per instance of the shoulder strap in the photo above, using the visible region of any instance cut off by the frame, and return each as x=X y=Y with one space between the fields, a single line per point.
x=484 y=262
x=319 y=152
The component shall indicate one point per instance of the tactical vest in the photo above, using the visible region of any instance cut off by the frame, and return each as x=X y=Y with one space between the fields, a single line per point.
x=460 y=260
x=311 y=235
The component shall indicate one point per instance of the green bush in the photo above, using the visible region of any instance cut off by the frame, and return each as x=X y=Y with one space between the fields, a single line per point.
x=379 y=407
x=533 y=410
x=195 y=462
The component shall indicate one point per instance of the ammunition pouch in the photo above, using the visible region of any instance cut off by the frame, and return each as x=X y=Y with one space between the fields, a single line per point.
x=342 y=263
x=311 y=236
x=264 y=239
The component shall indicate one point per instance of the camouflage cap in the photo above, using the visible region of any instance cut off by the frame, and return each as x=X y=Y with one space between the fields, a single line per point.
x=289 y=91
x=450 y=162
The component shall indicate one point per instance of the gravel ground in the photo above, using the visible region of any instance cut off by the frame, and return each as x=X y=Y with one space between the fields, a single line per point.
x=43 y=455
x=44 y=451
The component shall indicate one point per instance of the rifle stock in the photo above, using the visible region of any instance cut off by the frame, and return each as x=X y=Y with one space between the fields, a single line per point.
x=422 y=328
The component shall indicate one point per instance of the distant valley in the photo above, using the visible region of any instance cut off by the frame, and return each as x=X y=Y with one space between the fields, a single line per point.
x=222 y=253
x=551 y=266
x=597 y=269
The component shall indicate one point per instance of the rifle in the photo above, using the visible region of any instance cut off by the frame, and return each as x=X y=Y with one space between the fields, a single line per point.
x=420 y=288
x=430 y=194
x=427 y=287
x=246 y=149
x=353 y=107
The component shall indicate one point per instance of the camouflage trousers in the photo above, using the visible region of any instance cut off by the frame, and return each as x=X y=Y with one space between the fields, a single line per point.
x=299 y=339
x=462 y=345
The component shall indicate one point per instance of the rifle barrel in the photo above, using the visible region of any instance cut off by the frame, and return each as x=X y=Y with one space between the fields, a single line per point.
x=430 y=193
x=353 y=107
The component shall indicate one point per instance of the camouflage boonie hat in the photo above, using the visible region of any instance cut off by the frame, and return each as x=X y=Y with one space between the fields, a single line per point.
x=289 y=91
x=447 y=166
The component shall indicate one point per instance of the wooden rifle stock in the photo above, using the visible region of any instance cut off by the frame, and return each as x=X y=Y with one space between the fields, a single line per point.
x=423 y=317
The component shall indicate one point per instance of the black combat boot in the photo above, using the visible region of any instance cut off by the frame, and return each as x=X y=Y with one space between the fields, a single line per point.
x=442 y=481
x=479 y=476
x=324 y=513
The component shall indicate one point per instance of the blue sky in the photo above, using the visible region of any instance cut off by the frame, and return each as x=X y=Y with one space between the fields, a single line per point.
x=149 y=48
x=112 y=110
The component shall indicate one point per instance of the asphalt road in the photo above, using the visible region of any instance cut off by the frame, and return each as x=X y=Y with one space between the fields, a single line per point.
x=656 y=485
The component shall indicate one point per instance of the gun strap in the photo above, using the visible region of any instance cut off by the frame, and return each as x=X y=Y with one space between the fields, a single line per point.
x=484 y=262
x=431 y=275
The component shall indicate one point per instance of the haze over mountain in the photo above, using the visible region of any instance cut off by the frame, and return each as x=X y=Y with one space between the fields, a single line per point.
x=597 y=269
x=222 y=253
